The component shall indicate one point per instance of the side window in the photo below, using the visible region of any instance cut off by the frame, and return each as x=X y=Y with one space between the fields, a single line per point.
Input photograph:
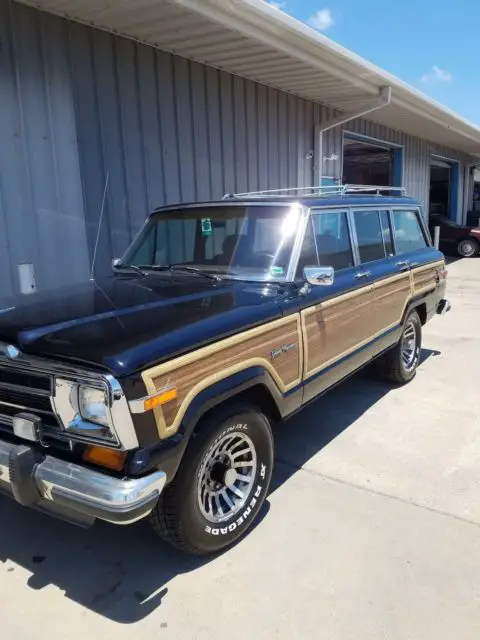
x=332 y=240
x=369 y=235
x=409 y=235
x=387 y=233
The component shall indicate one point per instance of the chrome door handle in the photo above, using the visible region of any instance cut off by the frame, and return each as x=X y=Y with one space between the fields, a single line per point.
x=403 y=264
x=362 y=274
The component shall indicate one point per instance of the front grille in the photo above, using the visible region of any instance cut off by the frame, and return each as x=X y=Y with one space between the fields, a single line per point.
x=25 y=392
x=25 y=379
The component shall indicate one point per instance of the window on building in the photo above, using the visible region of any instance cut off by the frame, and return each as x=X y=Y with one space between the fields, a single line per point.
x=367 y=163
x=409 y=234
x=369 y=235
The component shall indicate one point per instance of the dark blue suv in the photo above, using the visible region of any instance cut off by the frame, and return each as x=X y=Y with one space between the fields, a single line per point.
x=153 y=392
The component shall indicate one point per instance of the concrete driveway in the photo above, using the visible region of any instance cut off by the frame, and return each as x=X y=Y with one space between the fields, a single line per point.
x=372 y=529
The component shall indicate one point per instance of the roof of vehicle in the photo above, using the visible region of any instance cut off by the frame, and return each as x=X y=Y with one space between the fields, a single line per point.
x=306 y=201
x=337 y=201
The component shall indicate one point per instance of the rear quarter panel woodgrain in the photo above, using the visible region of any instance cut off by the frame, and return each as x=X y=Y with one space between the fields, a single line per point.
x=425 y=277
x=391 y=296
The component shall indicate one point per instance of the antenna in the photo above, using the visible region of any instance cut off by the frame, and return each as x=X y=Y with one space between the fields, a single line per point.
x=100 y=220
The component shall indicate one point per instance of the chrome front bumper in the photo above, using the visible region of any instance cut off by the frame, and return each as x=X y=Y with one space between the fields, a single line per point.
x=73 y=492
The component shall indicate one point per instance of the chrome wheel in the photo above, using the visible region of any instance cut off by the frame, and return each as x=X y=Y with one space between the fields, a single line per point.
x=226 y=477
x=409 y=347
x=467 y=248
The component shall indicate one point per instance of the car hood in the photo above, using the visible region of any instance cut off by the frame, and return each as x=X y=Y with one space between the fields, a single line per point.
x=126 y=323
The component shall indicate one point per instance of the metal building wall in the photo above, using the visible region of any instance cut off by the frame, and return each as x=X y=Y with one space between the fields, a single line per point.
x=41 y=202
x=416 y=161
x=162 y=129
x=84 y=113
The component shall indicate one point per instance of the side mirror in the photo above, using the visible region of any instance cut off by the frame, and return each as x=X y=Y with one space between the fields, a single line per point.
x=115 y=263
x=319 y=276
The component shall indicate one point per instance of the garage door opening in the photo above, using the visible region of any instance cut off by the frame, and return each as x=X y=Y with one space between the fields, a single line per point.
x=443 y=187
x=366 y=163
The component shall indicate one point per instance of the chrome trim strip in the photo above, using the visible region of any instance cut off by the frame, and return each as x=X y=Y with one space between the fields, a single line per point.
x=6 y=420
x=22 y=408
x=84 y=487
x=24 y=389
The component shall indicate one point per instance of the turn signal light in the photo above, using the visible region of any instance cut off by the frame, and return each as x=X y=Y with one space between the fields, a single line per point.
x=104 y=457
x=161 y=398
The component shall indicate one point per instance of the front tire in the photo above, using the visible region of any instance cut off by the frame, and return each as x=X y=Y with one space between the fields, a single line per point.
x=221 y=484
x=467 y=248
x=400 y=363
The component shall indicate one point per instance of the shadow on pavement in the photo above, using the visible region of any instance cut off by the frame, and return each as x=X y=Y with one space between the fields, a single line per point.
x=309 y=431
x=122 y=573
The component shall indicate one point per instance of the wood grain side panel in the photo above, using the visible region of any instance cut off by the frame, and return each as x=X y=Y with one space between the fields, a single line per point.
x=390 y=297
x=196 y=371
x=425 y=278
x=334 y=328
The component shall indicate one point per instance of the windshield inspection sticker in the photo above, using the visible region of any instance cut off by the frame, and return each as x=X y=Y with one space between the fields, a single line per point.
x=206 y=227
x=276 y=271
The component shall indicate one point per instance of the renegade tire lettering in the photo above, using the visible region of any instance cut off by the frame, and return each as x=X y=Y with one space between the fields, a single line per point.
x=241 y=520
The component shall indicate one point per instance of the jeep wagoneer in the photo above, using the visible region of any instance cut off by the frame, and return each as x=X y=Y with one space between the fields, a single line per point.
x=153 y=392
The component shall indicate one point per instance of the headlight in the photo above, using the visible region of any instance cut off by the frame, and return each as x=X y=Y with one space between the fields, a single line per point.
x=83 y=410
x=92 y=405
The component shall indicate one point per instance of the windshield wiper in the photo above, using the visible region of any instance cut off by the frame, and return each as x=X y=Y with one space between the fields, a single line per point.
x=132 y=267
x=181 y=267
x=200 y=272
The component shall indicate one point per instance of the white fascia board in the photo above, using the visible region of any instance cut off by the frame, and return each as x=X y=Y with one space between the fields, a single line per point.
x=261 y=21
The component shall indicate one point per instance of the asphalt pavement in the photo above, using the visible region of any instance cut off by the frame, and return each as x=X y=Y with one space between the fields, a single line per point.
x=371 y=530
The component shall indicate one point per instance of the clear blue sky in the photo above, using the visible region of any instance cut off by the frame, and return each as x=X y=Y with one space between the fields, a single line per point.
x=431 y=44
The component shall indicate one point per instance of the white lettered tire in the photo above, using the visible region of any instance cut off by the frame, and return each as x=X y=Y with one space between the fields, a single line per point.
x=221 y=484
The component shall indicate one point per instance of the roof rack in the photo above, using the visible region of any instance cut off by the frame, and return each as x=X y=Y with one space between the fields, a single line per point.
x=322 y=191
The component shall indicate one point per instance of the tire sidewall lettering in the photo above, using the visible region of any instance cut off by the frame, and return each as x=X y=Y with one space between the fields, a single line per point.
x=242 y=519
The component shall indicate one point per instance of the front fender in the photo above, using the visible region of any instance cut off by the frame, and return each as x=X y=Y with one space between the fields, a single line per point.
x=167 y=454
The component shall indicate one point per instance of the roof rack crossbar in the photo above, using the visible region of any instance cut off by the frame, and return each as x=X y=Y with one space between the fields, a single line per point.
x=321 y=190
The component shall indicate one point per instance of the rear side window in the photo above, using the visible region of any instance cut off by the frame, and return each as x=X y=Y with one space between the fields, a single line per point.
x=332 y=240
x=369 y=235
x=409 y=234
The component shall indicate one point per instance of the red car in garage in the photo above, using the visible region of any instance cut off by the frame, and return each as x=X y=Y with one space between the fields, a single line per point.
x=455 y=238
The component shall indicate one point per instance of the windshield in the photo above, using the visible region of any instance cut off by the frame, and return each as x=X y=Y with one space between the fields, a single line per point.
x=235 y=241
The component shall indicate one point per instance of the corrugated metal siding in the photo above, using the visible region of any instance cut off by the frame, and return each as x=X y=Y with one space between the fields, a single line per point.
x=41 y=204
x=81 y=107
x=166 y=130
x=416 y=161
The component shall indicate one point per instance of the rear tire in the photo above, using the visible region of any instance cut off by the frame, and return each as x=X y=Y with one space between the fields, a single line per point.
x=468 y=248
x=221 y=484
x=400 y=363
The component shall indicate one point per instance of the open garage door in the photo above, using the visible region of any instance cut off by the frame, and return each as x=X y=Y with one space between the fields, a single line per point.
x=368 y=162
x=444 y=176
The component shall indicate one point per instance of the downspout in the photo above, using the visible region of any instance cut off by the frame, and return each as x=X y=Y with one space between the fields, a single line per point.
x=384 y=99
